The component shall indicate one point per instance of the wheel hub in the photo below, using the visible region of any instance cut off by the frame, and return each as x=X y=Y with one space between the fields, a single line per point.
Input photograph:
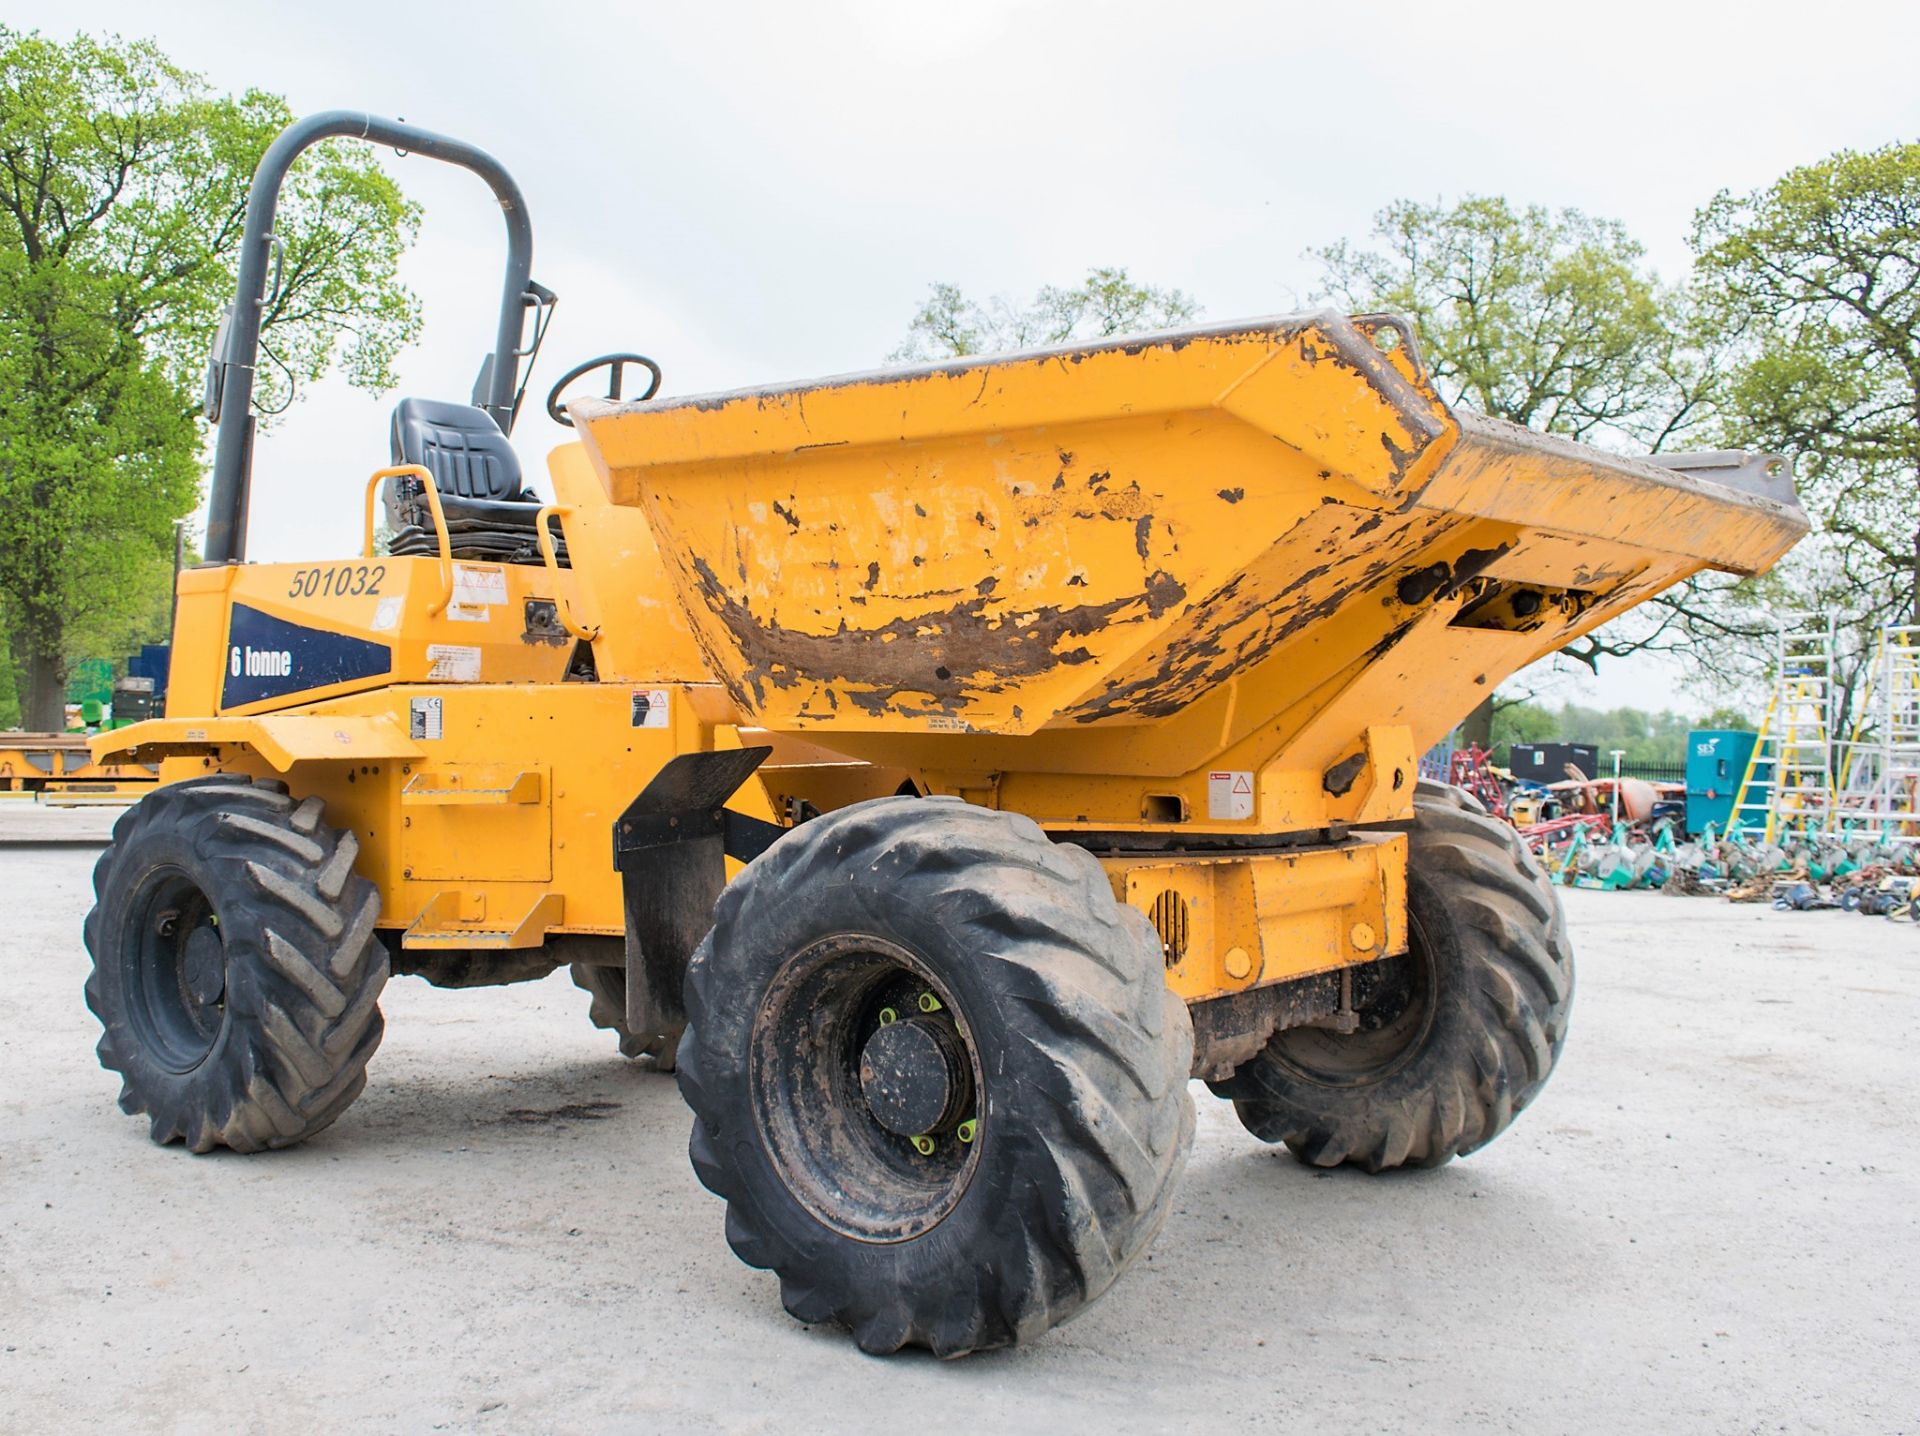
x=204 y=966
x=866 y=1087
x=914 y=1076
x=173 y=963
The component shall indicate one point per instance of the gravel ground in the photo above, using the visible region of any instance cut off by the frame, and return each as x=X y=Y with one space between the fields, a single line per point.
x=1709 y=1222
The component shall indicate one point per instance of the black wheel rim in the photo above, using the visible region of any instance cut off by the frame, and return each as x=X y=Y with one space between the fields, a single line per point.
x=831 y=1092
x=174 y=970
x=1395 y=1021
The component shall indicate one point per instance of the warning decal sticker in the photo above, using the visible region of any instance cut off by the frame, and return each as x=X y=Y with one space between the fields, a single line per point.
x=478 y=585
x=649 y=707
x=1230 y=795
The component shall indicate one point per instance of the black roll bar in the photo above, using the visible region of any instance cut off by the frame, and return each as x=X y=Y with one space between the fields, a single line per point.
x=233 y=385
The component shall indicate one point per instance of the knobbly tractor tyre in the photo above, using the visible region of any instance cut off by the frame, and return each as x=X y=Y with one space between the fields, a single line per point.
x=607 y=986
x=236 y=972
x=936 y=1074
x=1455 y=1038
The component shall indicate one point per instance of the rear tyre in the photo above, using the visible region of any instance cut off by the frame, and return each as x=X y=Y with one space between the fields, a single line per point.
x=607 y=986
x=1456 y=1038
x=236 y=973
x=936 y=1074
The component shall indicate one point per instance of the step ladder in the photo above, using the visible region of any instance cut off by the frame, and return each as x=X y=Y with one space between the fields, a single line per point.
x=1787 y=790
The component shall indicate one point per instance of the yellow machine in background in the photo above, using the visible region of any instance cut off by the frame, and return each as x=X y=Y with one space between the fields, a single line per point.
x=1055 y=716
x=59 y=768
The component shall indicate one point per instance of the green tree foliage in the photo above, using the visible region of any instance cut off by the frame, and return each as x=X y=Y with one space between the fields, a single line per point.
x=1523 y=722
x=1550 y=319
x=1645 y=738
x=1816 y=284
x=123 y=183
x=1795 y=332
x=1106 y=302
x=1819 y=275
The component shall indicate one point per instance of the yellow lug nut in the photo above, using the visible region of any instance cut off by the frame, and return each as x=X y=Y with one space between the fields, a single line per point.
x=1364 y=937
x=1238 y=963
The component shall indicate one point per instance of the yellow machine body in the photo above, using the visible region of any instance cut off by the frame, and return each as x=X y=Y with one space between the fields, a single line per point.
x=1197 y=600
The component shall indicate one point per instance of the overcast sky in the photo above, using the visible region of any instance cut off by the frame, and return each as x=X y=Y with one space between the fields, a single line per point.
x=753 y=193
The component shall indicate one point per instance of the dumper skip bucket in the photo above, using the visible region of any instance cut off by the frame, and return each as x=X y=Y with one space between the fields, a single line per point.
x=1107 y=534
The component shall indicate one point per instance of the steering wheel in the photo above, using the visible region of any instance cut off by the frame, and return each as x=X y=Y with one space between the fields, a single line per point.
x=616 y=364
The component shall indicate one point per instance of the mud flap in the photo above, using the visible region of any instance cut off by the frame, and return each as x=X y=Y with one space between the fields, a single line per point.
x=670 y=847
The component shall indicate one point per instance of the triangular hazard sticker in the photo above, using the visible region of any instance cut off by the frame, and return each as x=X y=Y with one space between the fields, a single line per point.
x=1241 y=785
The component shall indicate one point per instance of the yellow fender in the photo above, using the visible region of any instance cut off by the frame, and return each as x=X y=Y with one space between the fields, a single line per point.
x=281 y=740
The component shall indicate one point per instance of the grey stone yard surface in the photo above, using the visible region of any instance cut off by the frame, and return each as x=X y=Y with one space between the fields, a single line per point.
x=1710 y=1221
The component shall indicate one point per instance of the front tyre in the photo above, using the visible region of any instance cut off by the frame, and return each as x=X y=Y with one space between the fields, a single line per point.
x=236 y=973
x=936 y=1073
x=1454 y=1038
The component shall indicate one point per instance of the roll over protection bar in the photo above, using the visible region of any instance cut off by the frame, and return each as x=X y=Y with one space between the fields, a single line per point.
x=231 y=385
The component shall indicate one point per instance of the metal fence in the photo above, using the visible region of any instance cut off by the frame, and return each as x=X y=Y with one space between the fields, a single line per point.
x=1652 y=772
x=1437 y=763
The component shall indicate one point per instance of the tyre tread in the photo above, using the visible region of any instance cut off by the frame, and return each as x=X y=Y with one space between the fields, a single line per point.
x=1102 y=1043
x=1517 y=976
x=303 y=1017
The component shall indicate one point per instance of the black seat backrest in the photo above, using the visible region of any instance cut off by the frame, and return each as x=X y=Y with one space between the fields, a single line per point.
x=459 y=445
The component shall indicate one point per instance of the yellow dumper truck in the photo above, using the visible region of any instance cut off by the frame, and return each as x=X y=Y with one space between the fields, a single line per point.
x=938 y=766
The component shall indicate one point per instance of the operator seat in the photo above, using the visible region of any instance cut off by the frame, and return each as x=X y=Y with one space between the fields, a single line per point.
x=490 y=513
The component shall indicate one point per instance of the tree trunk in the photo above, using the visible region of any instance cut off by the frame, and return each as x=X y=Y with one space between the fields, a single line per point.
x=1479 y=725
x=43 y=707
x=17 y=654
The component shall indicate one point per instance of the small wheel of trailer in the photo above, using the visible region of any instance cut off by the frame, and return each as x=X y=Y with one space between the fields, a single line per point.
x=235 y=968
x=1454 y=1038
x=936 y=1073
x=607 y=986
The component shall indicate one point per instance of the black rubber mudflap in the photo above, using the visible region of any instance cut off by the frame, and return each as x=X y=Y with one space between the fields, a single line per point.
x=670 y=847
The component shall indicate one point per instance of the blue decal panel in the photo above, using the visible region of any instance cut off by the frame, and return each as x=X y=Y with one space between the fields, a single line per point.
x=268 y=657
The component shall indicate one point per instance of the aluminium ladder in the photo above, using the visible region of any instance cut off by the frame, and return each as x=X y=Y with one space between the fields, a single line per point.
x=1881 y=782
x=1788 y=788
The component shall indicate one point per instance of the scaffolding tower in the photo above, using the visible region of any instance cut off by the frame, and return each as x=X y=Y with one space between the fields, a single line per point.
x=1788 y=788
x=1881 y=782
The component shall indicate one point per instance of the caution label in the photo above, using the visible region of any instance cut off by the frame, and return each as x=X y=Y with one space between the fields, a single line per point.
x=478 y=585
x=1229 y=795
x=649 y=707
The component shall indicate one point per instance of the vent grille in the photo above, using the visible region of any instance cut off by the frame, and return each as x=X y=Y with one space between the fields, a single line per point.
x=1169 y=916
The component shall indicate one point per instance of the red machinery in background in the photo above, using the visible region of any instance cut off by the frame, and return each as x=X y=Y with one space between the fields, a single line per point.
x=1473 y=771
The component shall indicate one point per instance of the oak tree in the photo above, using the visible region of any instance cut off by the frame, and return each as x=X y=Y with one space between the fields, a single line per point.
x=1107 y=302
x=1552 y=319
x=1816 y=279
x=123 y=185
